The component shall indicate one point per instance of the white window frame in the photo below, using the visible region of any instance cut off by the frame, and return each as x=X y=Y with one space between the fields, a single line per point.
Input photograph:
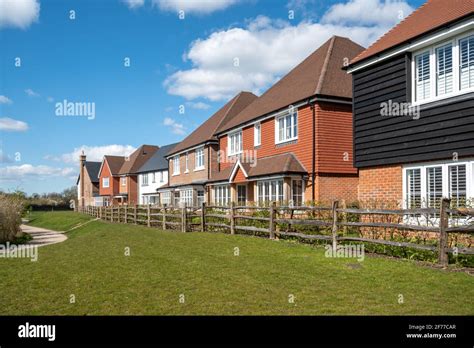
x=235 y=143
x=199 y=159
x=262 y=190
x=186 y=197
x=469 y=163
x=123 y=181
x=161 y=177
x=104 y=181
x=145 y=179
x=456 y=91
x=166 y=198
x=257 y=134
x=222 y=194
x=186 y=163
x=302 y=191
x=176 y=165
x=294 y=124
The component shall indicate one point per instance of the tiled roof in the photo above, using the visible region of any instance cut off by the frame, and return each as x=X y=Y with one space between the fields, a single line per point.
x=320 y=73
x=92 y=169
x=206 y=131
x=430 y=16
x=132 y=163
x=115 y=163
x=158 y=161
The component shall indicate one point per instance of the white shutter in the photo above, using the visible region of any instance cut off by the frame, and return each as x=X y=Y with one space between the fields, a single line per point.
x=457 y=184
x=413 y=188
x=444 y=69
x=434 y=188
x=423 y=76
x=466 y=58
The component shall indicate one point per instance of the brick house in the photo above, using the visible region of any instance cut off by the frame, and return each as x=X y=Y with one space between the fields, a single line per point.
x=425 y=67
x=88 y=183
x=193 y=162
x=293 y=143
x=118 y=176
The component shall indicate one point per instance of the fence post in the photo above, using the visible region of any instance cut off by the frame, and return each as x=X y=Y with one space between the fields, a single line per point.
x=135 y=214
x=443 y=235
x=272 y=220
x=183 y=218
x=334 y=225
x=126 y=214
x=203 y=217
x=164 y=218
x=148 y=217
x=344 y=217
x=231 y=217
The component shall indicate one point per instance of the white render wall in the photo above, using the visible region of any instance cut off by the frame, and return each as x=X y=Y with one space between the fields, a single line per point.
x=143 y=190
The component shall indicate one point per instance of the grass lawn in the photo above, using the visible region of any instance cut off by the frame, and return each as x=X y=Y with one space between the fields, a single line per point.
x=92 y=266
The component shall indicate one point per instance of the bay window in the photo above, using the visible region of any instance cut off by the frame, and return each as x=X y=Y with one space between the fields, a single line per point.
x=222 y=195
x=186 y=197
x=297 y=192
x=270 y=191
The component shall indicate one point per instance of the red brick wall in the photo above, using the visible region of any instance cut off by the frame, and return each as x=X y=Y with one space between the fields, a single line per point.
x=333 y=187
x=381 y=184
x=103 y=174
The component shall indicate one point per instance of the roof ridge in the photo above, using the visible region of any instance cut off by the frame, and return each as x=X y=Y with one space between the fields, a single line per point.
x=325 y=65
x=233 y=100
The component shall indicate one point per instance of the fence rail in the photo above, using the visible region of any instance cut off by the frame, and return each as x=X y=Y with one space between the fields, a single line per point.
x=277 y=222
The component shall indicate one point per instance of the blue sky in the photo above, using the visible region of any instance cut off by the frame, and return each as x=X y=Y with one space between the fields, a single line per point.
x=200 y=61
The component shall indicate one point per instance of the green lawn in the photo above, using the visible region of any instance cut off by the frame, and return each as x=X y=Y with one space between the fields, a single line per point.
x=91 y=265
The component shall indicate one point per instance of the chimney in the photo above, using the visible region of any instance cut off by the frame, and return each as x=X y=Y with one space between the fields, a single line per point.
x=82 y=167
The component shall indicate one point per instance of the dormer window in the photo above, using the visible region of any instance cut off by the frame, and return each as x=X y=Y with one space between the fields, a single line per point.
x=444 y=70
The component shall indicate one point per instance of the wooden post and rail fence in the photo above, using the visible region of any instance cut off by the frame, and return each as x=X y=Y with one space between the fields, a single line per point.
x=272 y=220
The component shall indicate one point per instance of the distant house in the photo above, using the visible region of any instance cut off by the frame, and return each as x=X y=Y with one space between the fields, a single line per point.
x=153 y=175
x=193 y=161
x=88 y=183
x=118 y=176
x=418 y=154
x=294 y=143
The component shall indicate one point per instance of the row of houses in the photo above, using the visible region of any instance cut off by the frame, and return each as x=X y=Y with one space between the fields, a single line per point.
x=393 y=122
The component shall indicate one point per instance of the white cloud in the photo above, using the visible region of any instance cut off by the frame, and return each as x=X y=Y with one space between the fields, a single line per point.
x=5 y=100
x=198 y=105
x=18 y=13
x=193 y=6
x=31 y=93
x=255 y=56
x=28 y=170
x=132 y=4
x=9 y=124
x=368 y=12
x=50 y=99
x=93 y=153
x=4 y=158
x=176 y=128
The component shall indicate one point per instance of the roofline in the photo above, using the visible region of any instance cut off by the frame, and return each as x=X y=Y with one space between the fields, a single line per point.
x=414 y=43
x=237 y=165
x=275 y=113
x=193 y=147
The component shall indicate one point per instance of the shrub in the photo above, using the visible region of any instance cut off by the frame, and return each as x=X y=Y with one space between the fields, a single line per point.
x=11 y=209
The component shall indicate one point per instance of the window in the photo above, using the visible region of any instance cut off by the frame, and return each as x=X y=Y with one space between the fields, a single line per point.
x=200 y=197
x=457 y=185
x=199 y=158
x=105 y=182
x=241 y=194
x=123 y=181
x=413 y=188
x=434 y=188
x=176 y=165
x=270 y=191
x=235 y=143
x=257 y=134
x=297 y=192
x=423 y=76
x=287 y=127
x=153 y=177
x=176 y=198
x=186 y=197
x=186 y=163
x=166 y=198
x=425 y=185
x=444 y=70
x=466 y=62
x=222 y=195
x=145 y=179
x=161 y=176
